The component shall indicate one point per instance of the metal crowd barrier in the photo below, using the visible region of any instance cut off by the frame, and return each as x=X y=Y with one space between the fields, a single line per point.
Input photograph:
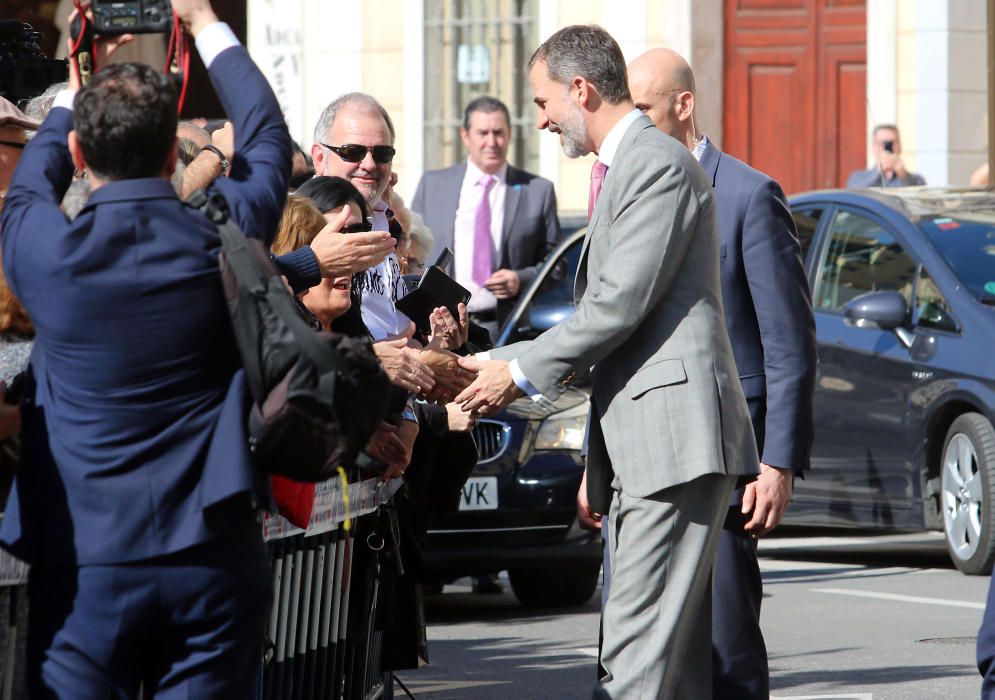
x=321 y=639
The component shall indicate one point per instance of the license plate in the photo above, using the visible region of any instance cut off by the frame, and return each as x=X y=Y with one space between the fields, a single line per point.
x=479 y=493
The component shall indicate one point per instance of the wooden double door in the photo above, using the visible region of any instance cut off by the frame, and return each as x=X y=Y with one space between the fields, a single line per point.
x=795 y=76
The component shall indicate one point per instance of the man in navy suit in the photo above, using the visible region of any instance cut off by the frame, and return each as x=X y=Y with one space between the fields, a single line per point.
x=517 y=219
x=136 y=499
x=768 y=313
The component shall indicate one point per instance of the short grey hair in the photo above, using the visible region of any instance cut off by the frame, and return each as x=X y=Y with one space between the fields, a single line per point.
x=327 y=117
x=589 y=51
x=39 y=107
x=419 y=233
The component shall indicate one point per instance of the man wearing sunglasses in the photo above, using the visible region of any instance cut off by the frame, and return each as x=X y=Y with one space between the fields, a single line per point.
x=354 y=140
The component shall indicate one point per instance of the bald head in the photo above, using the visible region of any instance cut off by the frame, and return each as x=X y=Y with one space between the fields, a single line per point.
x=662 y=86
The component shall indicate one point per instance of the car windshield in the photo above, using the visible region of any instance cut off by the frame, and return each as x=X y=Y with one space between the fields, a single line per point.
x=967 y=243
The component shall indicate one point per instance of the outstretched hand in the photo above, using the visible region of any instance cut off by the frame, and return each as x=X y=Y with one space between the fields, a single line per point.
x=340 y=254
x=492 y=390
x=449 y=333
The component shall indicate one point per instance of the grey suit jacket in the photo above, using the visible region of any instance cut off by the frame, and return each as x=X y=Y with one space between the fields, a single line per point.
x=667 y=406
x=530 y=230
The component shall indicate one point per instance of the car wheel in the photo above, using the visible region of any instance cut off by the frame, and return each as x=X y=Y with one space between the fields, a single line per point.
x=968 y=484
x=563 y=587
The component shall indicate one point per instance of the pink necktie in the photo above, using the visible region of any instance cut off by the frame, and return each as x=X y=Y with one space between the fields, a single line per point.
x=598 y=171
x=482 y=242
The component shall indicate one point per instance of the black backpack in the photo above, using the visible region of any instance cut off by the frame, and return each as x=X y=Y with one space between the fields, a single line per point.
x=318 y=396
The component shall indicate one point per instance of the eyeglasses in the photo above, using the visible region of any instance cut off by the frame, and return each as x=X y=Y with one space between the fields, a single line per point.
x=13 y=144
x=362 y=227
x=354 y=153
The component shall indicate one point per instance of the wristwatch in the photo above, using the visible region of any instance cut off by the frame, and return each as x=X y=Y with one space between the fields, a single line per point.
x=225 y=164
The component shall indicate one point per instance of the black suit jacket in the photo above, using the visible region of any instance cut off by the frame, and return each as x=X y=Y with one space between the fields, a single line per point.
x=767 y=304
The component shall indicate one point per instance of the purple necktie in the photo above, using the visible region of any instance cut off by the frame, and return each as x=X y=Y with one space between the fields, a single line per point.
x=598 y=171
x=482 y=242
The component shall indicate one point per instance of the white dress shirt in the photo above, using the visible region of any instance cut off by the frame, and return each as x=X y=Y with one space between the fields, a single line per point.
x=463 y=231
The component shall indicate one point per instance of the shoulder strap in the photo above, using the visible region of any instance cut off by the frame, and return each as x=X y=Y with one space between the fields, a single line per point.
x=261 y=282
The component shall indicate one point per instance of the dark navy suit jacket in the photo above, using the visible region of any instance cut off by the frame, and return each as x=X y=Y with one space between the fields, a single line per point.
x=137 y=431
x=767 y=304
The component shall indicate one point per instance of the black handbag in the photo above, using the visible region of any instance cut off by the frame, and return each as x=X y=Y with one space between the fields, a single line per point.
x=318 y=396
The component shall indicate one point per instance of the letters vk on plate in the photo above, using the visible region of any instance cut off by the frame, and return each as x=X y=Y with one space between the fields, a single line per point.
x=479 y=493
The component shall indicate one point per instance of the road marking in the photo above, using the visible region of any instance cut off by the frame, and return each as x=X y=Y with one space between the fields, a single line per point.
x=902 y=598
x=847 y=696
x=425 y=687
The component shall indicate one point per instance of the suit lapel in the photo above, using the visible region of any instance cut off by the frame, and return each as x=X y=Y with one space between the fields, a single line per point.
x=710 y=158
x=512 y=196
x=580 y=280
x=449 y=202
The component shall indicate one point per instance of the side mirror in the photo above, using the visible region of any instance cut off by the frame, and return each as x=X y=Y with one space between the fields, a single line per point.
x=884 y=310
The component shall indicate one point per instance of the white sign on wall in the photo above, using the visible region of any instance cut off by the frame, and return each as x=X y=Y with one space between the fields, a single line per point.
x=275 y=43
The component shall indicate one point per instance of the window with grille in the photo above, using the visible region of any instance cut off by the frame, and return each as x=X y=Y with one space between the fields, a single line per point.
x=474 y=48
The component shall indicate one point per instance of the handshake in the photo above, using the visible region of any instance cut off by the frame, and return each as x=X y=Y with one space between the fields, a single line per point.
x=432 y=371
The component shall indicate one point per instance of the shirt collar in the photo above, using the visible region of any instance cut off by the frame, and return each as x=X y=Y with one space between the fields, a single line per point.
x=699 y=148
x=606 y=154
x=473 y=173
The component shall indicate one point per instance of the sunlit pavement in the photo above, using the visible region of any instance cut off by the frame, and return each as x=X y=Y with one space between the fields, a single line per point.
x=849 y=616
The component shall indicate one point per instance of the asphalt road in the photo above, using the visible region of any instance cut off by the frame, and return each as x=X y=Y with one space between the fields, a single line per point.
x=851 y=616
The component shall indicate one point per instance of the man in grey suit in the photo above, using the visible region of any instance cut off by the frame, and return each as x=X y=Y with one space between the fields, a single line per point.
x=516 y=222
x=670 y=433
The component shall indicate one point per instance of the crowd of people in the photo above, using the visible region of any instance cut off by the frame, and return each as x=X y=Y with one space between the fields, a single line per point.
x=136 y=501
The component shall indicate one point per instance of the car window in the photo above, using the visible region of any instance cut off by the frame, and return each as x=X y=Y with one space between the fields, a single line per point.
x=806 y=222
x=931 y=309
x=553 y=301
x=861 y=257
x=967 y=243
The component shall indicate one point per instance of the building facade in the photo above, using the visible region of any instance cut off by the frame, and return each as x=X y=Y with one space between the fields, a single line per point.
x=791 y=86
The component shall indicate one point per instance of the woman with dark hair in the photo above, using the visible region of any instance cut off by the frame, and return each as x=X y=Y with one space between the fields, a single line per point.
x=330 y=195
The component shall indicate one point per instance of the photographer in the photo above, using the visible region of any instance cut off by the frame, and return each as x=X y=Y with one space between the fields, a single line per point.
x=136 y=503
x=888 y=170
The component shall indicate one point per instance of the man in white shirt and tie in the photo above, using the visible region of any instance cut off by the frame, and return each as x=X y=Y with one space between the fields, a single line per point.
x=499 y=221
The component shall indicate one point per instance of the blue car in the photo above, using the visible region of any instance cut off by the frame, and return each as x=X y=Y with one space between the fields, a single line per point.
x=903 y=288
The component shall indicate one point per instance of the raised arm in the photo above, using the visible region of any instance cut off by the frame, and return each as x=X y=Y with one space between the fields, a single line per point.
x=260 y=171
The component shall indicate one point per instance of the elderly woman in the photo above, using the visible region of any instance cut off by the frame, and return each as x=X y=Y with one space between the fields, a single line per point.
x=332 y=303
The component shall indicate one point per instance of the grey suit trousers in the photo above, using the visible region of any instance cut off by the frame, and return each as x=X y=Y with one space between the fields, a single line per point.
x=657 y=622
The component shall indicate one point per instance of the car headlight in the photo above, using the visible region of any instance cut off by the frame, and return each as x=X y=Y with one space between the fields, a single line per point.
x=564 y=430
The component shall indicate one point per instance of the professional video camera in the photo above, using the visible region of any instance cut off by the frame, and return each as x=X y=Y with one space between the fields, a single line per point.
x=112 y=17
x=24 y=70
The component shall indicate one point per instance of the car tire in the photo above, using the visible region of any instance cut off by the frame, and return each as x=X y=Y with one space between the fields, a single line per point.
x=563 y=587
x=967 y=478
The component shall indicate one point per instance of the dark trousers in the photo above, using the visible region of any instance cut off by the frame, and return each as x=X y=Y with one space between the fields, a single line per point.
x=185 y=625
x=739 y=655
x=986 y=646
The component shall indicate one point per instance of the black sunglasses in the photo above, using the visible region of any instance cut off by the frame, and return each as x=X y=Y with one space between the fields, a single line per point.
x=354 y=153
x=362 y=227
